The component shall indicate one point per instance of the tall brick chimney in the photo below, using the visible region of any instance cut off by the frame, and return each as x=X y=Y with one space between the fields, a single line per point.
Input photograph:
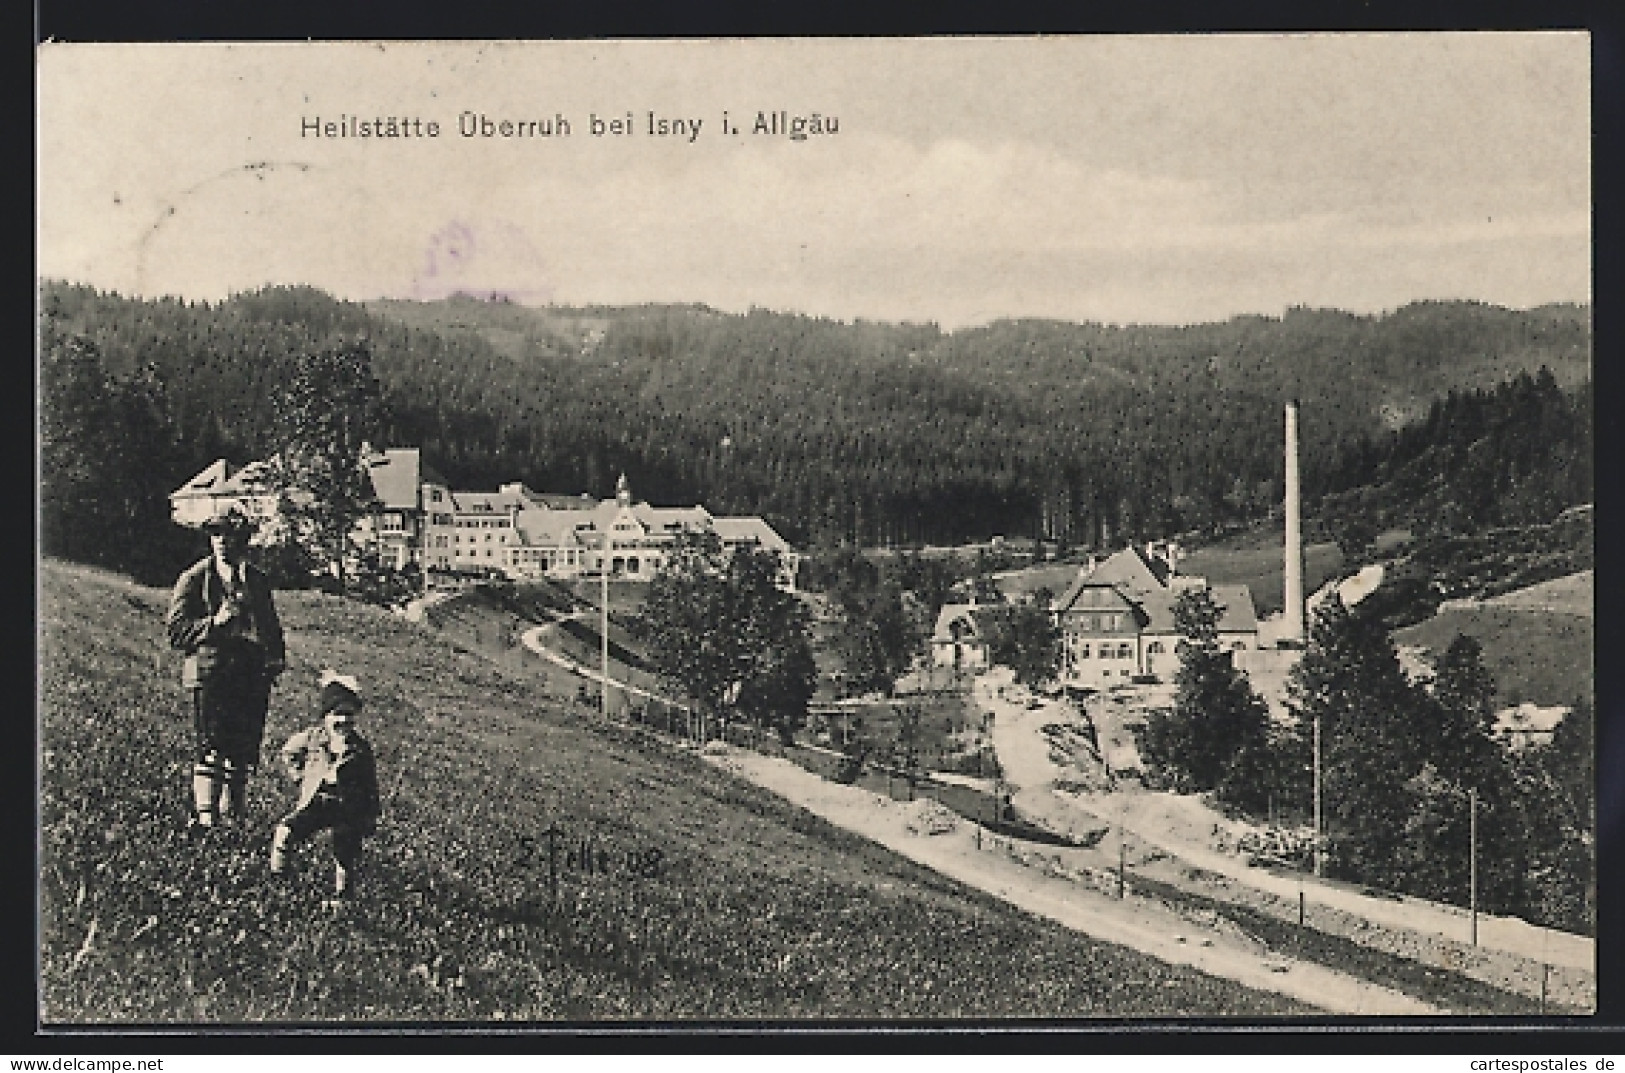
x=1294 y=628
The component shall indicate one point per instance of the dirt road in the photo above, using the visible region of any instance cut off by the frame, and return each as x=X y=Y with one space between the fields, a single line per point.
x=1141 y=924
x=1184 y=828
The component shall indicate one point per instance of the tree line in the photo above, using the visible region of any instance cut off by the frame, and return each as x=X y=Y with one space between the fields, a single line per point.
x=1517 y=453
x=857 y=433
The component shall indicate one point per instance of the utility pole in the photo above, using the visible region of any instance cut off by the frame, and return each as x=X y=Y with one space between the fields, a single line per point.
x=1320 y=864
x=1122 y=863
x=1472 y=858
x=603 y=628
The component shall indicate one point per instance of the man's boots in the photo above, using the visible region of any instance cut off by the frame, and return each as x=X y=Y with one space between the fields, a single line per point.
x=205 y=792
x=234 y=798
x=341 y=879
x=279 y=849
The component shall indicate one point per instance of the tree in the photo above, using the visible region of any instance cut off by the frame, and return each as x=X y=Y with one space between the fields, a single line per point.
x=108 y=460
x=719 y=628
x=1025 y=638
x=1454 y=733
x=1557 y=780
x=878 y=638
x=1354 y=533
x=324 y=414
x=1350 y=680
x=931 y=580
x=77 y=475
x=1217 y=735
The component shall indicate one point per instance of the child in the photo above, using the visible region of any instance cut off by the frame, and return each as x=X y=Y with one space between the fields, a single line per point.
x=338 y=783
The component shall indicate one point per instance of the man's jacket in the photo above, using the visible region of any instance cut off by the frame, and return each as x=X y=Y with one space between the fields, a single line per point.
x=209 y=648
x=348 y=782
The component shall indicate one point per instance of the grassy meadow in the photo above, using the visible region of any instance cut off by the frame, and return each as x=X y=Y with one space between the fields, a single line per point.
x=672 y=891
x=1536 y=655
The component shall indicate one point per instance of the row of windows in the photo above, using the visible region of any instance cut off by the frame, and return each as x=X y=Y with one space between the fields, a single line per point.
x=1097 y=623
x=546 y=557
x=470 y=523
x=1120 y=650
x=1107 y=651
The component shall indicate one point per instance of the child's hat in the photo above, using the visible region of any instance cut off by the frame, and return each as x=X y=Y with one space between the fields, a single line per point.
x=339 y=691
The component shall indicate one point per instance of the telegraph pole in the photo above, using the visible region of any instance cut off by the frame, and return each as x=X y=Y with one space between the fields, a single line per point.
x=603 y=629
x=1472 y=858
x=1319 y=862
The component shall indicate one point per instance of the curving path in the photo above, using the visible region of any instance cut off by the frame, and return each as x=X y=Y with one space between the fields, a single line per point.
x=1155 y=818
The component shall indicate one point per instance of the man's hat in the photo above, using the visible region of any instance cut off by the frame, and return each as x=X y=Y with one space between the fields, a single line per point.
x=340 y=692
x=229 y=517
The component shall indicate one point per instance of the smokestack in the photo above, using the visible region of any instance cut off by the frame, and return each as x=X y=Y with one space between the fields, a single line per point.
x=1294 y=626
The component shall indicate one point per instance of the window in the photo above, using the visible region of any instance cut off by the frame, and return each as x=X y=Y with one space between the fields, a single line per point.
x=1155 y=648
x=1125 y=651
x=1083 y=650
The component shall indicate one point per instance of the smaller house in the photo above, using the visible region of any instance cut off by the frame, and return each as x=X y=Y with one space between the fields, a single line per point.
x=399 y=525
x=249 y=487
x=1528 y=724
x=960 y=639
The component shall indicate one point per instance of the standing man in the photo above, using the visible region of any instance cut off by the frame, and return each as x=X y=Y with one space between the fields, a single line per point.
x=221 y=615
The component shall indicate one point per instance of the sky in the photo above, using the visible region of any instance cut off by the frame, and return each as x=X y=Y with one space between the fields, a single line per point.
x=1166 y=179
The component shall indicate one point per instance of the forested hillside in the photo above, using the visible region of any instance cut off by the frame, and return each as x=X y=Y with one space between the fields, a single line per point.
x=878 y=433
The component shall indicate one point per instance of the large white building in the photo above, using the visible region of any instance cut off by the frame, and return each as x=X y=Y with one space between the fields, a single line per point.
x=512 y=532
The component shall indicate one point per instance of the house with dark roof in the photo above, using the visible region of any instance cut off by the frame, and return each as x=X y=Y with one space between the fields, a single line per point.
x=1117 y=623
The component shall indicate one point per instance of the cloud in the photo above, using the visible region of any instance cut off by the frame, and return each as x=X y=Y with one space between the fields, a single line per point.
x=1124 y=193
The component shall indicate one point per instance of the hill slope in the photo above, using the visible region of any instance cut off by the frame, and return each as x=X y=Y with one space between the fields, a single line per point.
x=1536 y=655
x=708 y=898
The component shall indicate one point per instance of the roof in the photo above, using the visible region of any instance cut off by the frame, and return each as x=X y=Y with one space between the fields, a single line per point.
x=560 y=501
x=540 y=527
x=397 y=476
x=486 y=502
x=221 y=478
x=749 y=530
x=1086 y=581
x=974 y=616
x=1235 y=603
x=1529 y=718
x=1132 y=569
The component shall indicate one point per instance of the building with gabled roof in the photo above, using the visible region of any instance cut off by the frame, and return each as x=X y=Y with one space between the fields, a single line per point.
x=396 y=526
x=219 y=482
x=627 y=537
x=512 y=532
x=1117 y=622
